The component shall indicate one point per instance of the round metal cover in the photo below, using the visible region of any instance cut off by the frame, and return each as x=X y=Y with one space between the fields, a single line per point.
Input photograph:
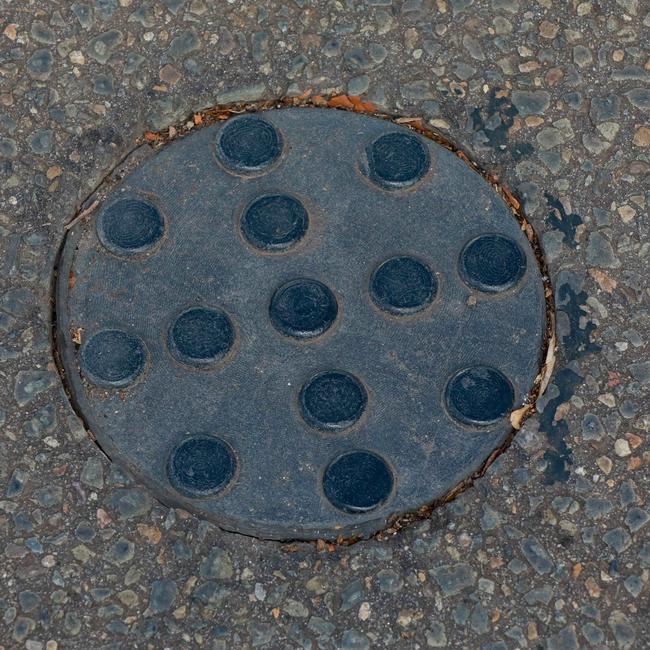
x=300 y=323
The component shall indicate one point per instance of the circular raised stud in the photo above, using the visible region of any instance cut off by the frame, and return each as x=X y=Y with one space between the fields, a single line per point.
x=358 y=481
x=112 y=358
x=201 y=466
x=248 y=144
x=479 y=395
x=201 y=336
x=303 y=308
x=398 y=160
x=403 y=285
x=274 y=222
x=333 y=400
x=492 y=263
x=130 y=227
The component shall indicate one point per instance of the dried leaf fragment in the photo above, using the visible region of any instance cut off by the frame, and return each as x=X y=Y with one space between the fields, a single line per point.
x=415 y=123
x=361 y=106
x=549 y=365
x=511 y=199
x=75 y=335
x=517 y=417
x=356 y=102
x=340 y=101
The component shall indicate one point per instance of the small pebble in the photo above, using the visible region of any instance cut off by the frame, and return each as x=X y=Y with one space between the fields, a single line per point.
x=622 y=448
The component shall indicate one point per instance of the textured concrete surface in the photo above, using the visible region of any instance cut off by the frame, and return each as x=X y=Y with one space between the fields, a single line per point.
x=551 y=549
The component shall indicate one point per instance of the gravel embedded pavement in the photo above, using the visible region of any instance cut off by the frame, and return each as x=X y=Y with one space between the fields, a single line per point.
x=550 y=549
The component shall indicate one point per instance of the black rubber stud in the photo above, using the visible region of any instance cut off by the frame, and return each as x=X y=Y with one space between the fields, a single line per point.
x=130 y=227
x=403 y=285
x=333 y=400
x=303 y=308
x=398 y=160
x=358 y=481
x=201 y=466
x=275 y=222
x=201 y=336
x=248 y=144
x=112 y=358
x=479 y=395
x=492 y=263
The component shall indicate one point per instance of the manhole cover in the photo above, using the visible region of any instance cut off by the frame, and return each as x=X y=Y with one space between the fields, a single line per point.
x=301 y=323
